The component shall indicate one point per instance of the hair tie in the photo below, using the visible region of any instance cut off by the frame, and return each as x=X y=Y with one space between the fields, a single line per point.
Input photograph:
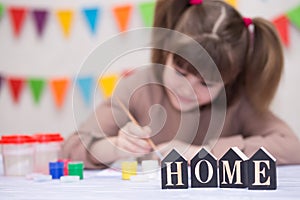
x=196 y=2
x=247 y=21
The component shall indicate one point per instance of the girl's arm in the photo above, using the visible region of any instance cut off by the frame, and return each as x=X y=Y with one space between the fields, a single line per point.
x=262 y=130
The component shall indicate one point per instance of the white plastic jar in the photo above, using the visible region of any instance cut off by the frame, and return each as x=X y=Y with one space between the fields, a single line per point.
x=18 y=154
x=47 y=149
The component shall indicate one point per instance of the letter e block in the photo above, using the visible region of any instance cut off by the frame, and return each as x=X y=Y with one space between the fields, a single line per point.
x=262 y=171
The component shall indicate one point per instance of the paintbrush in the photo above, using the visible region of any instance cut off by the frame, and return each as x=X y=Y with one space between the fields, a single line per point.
x=136 y=123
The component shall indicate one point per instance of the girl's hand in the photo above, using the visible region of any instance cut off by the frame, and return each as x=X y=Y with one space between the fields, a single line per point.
x=131 y=140
x=188 y=151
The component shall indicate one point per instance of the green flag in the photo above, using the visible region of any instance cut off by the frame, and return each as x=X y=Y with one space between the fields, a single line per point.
x=147 y=12
x=1 y=9
x=294 y=16
x=36 y=86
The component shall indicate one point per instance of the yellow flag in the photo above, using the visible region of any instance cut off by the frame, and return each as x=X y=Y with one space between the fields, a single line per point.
x=65 y=18
x=107 y=84
x=233 y=3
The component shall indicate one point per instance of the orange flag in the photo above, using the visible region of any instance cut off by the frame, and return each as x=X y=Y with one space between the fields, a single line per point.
x=122 y=15
x=17 y=16
x=65 y=18
x=59 y=88
x=282 y=25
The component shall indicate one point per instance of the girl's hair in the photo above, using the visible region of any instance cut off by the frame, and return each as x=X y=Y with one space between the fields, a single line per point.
x=248 y=61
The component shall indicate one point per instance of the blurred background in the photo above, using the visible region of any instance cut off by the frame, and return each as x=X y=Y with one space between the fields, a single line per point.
x=43 y=44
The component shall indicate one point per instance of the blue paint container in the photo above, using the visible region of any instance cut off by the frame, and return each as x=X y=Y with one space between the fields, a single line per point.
x=56 y=169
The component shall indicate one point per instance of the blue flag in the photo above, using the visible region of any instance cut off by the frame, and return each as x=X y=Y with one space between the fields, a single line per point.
x=92 y=15
x=85 y=85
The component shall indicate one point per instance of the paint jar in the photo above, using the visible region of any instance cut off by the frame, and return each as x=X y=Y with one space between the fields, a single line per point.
x=76 y=169
x=56 y=169
x=129 y=168
x=47 y=149
x=18 y=154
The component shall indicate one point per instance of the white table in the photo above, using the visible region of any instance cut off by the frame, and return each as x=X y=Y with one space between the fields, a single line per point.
x=100 y=185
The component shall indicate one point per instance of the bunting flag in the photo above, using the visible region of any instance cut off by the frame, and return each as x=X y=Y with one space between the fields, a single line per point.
x=147 y=12
x=17 y=16
x=59 y=88
x=65 y=18
x=122 y=15
x=16 y=86
x=233 y=3
x=281 y=23
x=85 y=85
x=107 y=84
x=36 y=86
x=294 y=16
x=1 y=10
x=40 y=18
x=92 y=15
x=1 y=80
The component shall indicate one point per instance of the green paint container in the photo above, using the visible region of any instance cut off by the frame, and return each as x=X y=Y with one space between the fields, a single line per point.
x=76 y=169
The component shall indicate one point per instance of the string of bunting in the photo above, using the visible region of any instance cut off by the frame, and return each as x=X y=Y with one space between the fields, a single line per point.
x=65 y=17
x=59 y=87
x=122 y=14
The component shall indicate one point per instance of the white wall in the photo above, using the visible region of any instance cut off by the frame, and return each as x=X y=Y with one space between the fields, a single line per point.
x=53 y=55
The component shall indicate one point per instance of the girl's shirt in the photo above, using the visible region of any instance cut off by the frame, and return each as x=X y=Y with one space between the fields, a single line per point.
x=148 y=102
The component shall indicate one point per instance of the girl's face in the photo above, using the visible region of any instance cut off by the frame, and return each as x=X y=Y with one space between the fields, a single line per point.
x=185 y=90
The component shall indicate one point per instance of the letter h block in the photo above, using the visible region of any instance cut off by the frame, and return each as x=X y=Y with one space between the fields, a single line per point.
x=174 y=171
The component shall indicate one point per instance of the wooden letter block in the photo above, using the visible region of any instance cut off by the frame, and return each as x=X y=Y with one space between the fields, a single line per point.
x=233 y=169
x=174 y=171
x=262 y=171
x=204 y=170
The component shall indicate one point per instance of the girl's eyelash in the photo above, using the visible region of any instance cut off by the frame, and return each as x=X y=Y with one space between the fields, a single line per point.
x=180 y=73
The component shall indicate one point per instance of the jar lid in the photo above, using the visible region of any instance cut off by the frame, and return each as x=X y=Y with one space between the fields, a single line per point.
x=75 y=165
x=48 y=137
x=56 y=165
x=17 y=139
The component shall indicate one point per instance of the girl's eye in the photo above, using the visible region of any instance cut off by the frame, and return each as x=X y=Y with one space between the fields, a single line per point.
x=180 y=73
x=205 y=84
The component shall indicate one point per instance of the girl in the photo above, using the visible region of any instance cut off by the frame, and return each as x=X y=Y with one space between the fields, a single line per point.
x=250 y=63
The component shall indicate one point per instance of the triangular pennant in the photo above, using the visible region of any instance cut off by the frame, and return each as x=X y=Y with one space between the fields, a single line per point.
x=122 y=15
x=92 y=15
x=16 y=86
x=147 y=12
x=233 y=3
x=36 y=86
x=40 y=18
x=1 y=80
x=282 y=23
x=107 y=84
x=59 y=88
x=17 y=16
x=85 y=85
x=65 y=18
x=1 y=10
x=294 y=16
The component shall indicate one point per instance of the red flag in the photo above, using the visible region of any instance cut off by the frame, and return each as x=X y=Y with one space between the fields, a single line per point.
x=17 y=16
x=16 y=86
x=282 y=25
